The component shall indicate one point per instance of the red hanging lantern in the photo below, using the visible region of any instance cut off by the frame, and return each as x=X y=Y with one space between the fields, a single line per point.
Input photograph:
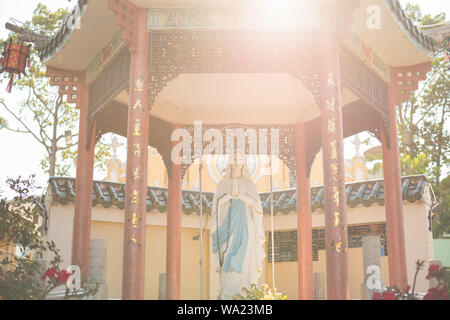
x=14 y=60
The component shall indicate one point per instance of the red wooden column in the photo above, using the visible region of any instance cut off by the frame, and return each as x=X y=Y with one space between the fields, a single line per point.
x=83 y=188
x=395 y=233
x=173 y=256
x=137 y=157
x=304 y=224
x=336 y=243
x=404 y=81
x=72 y=85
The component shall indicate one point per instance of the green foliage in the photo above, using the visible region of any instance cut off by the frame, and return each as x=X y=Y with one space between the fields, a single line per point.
x=413 y=12
x=414 y=166
x=45 y=21
x=21 y=279
x=424 y=125
x=423 y=120
x=3 y=123
x=377 y=170
x=441 y=225
x=409 y=166
x=259 y=293
x=44 y=114
x=424 y=129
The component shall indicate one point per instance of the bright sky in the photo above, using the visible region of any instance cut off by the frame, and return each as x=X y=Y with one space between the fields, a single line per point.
x=20 y=154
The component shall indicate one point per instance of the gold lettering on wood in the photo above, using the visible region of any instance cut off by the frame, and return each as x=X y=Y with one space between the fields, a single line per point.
x=332 y=125
x=137 y=128
x=138 y=105
x=337 y=219
x=138 y=85
x=135 y=197
x=340 y=246
x=336 y=196
x=136 y=174
x=134 y=220
x=334 y=153
x=331 y=82
x=331 y=104
x=137 y=150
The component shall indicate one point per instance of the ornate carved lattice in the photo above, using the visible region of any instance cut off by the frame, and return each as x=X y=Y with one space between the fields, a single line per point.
x=68 y=83
x=405 y=80
x=158 y=82
x=286 y=151
x=174 y=53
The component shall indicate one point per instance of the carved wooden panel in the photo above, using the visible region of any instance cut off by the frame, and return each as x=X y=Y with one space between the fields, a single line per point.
x=110 y=82
x=364 y=82
x=286 y=144
x=177 y=52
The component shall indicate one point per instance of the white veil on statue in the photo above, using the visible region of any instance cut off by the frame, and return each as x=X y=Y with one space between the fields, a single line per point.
x=237 y=230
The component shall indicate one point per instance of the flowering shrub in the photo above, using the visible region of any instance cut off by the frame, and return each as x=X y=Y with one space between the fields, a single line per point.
x=259 y=293
x=22 y=279
x=438 y=290
x=387 y=295
x=394 y=293
x=54 y=278
x=438 y=286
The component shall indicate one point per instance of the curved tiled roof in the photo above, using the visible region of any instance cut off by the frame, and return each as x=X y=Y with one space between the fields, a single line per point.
x=408 y=25
x=60 y=38
x=417 y=35
x=108 y=194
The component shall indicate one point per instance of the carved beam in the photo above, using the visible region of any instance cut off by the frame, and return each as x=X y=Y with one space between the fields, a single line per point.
x=125 y=19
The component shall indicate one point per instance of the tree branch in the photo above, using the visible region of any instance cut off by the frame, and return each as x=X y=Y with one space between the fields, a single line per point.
x=21 y=122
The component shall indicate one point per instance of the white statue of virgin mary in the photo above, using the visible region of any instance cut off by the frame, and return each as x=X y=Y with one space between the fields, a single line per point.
x=237 y=230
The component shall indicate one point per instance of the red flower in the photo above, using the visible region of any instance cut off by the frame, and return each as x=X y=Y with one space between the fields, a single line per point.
x=389 y=295
x=434 y=268
x=439 y=293
x=50 y=273
x=63 y=276
x=377 y=296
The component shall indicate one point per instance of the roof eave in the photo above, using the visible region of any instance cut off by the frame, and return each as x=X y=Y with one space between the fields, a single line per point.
x=63 y=35
x=421 y=41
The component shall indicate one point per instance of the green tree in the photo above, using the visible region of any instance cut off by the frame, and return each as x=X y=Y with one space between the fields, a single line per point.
x=409 y=166
x=22 y=278
x=423 y=120
x=441 y=225
x=424 y=124
x=45 y=114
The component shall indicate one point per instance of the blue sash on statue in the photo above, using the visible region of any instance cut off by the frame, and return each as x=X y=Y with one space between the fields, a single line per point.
x=237 y=249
